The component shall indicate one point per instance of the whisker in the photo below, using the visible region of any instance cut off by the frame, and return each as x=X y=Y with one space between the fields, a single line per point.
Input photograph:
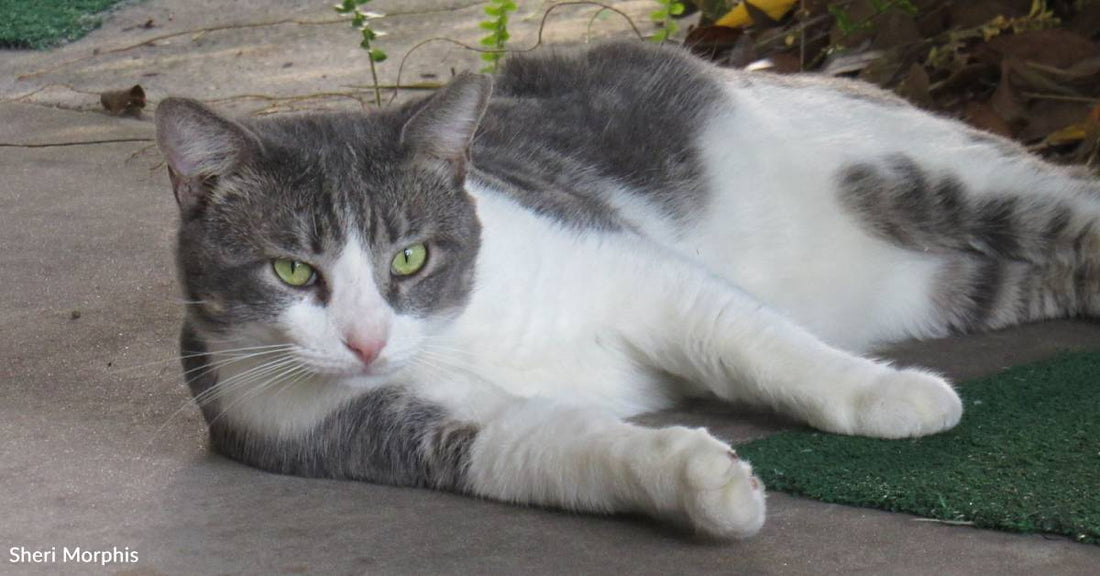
x=206 y=395
x=207 y=368
x=176 y=359
x=237 y=380
x=265 y=368
x=250 y=394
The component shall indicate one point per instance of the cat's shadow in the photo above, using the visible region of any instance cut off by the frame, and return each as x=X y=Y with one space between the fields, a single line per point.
x=736 y=424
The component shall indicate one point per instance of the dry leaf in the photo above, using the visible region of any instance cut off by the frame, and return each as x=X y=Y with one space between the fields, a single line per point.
x=895 y=28
x=711 y=41
x=1057 y=48
x=1005 y=101
x=740 y=17
x=977 y=12
x=1068 y=135
x=129 y=101
x=915 y=88
x=1046 y=117
x=981 y=115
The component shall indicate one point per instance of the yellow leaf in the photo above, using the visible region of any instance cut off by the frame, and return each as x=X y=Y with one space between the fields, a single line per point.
x=739 y=16
x=1067 y=135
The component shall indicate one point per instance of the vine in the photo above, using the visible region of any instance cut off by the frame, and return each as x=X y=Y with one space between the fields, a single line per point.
x=663 y=18
x=497 y=25
x=361 y=20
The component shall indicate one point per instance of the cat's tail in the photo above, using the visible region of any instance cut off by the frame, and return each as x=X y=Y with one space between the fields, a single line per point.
x=1010 y=257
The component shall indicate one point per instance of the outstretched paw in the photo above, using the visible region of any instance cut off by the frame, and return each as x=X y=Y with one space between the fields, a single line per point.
x=720 y=495
x=906 y=403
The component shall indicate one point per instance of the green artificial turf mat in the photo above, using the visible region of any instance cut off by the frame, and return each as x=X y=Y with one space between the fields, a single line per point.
x=42 y=23
x=1025 y=458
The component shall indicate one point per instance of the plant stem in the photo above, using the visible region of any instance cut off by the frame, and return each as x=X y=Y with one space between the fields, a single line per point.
x=374 y=78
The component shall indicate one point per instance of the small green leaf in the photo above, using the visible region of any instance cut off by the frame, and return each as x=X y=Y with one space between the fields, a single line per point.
x=676 y=9
x=368 y=34
x=659 y=36
x=490 y=40
x=377 y=55
x=487 y=25
x=493 y=10
x=658 y=15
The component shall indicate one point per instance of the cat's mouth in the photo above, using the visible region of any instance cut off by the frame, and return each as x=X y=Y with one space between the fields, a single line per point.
x=325 y=365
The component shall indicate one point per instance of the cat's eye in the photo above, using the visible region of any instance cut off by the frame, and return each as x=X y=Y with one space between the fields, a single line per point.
x=293 y=272
x=410 y=260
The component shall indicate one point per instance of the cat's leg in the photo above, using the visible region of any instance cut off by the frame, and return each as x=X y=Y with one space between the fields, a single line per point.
x=526 y=451
x=537 y=452
x=681 y=319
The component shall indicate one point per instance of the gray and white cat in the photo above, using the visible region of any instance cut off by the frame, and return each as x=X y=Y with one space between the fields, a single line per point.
x=470 y=292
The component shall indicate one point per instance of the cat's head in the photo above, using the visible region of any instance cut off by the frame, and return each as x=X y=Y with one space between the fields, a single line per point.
x=350 y=237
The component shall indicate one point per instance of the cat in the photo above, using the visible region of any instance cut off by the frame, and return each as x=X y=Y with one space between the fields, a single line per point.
x=472 y=292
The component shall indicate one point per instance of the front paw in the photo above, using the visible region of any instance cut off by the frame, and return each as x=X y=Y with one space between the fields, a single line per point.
x=905 y=403
x=718 y=492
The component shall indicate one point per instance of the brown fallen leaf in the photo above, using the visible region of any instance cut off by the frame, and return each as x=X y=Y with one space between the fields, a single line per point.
x=977 y=12
x=1057 y=48
x=1046 y=117
x=915 y=88
x=712 y=41
x=1088 y=152
x=119 y=102
x=895 y=28
x=1005 y=102
x=981 y=115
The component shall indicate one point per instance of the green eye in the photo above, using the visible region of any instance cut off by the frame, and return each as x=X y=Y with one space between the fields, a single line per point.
x=294 y=272
x=410 y=260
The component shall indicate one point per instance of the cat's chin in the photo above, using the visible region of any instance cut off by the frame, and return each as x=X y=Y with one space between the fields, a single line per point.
x=366 y=377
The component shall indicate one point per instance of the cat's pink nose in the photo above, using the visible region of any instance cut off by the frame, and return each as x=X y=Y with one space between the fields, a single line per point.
x=366 y=350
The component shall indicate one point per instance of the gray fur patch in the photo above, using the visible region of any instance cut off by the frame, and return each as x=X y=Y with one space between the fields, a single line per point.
x=567 y=130
x=1011 y=257
x=915 y=208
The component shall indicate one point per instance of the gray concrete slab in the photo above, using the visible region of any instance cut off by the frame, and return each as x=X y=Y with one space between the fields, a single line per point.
x=100 y=448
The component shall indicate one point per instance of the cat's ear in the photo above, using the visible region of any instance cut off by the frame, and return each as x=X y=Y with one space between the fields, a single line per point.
x=199 y=146
x=443 y=129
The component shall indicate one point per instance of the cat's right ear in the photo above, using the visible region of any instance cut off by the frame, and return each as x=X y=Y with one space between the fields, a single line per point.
x=199 y=146
x=444 y=128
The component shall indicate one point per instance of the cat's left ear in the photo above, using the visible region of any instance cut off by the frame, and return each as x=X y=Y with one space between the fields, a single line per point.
x=444 y=128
